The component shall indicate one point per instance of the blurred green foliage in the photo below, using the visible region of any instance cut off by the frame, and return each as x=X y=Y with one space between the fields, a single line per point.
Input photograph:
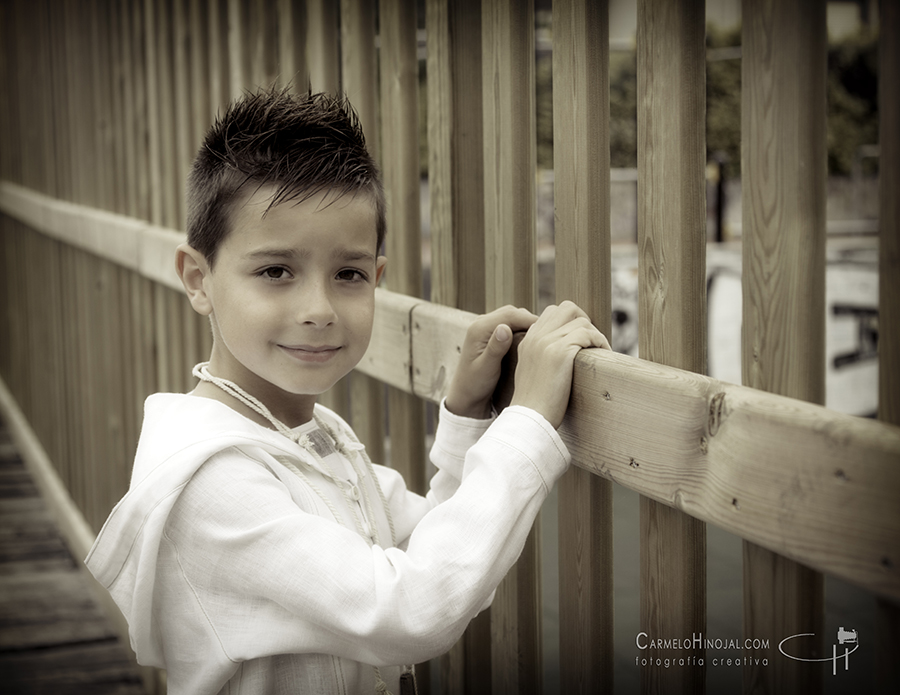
x=852 y=99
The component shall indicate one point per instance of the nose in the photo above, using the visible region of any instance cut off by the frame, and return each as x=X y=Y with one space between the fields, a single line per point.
x=314 y=305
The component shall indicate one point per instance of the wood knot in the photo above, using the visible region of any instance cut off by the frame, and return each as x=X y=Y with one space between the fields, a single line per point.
x=716 y=413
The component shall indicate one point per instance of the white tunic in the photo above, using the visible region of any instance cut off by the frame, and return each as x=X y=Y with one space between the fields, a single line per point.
x=235 y=576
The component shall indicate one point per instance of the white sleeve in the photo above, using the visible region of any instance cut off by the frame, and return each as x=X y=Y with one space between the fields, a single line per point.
x=269 y=578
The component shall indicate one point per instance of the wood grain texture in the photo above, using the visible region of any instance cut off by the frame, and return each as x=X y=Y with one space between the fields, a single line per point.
x=292 y=28
x=507 y=39
x=359 y=78
x=672 y=298
x=794 y=477
x=456 y=191
x=323 y=48
x=455 y=153
x=359 y=73
x=783 y=154
x=583 y=275
x=400 y=154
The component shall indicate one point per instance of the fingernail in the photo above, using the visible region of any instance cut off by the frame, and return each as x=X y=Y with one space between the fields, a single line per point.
x=502 y=334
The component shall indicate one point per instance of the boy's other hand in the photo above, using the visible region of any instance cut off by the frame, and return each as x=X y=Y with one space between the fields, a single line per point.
x=547 y=357
x=487 y=341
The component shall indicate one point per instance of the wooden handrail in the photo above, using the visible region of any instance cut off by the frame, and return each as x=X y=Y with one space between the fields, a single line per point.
x=812 y=484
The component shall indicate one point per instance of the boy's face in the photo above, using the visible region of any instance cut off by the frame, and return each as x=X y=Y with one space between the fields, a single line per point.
x=292 y=295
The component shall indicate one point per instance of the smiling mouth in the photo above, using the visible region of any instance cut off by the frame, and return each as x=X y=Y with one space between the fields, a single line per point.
x=311 y=353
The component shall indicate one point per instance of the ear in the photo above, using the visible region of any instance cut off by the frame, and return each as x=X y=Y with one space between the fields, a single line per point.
x=193 y=270
x=380 y=263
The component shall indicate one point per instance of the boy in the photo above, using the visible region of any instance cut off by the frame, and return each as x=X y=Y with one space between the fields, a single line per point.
x=258 y=550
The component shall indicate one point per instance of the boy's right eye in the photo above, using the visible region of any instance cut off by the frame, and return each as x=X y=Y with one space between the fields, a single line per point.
x=274 y=273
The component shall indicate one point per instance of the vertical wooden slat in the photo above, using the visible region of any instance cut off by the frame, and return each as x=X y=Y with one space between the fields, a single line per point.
x=783 y=172
x=117 y=80
x=509 y=199
x=455 y=158
x=104 y=168
x=129 y=76
x=140 y=114
x=672 y=300
x=43 y=58
x=324 y=60
x=168 y=99
x=509 y=152
x=238 y=68
x=263 y=43
x=887 y=638
x=153 y=120
x=323 y=48
x=292 y=44
x=27 y=126
x=399 y=99
x=9 y=80
x=400 y=155
x=219 y=84
x=61 y=98
x=456 y=191
x=200 y=77
x=359 y=80
x=359 y=72
x=181 y=89
x=583 y=274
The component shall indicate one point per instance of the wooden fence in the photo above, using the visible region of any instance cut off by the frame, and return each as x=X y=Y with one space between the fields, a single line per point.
x=104 y=103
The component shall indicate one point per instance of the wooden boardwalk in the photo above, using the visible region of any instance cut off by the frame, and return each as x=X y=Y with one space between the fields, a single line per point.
x=54 y=638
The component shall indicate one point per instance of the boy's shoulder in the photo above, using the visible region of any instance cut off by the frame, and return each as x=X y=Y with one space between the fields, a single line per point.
x=187 y=427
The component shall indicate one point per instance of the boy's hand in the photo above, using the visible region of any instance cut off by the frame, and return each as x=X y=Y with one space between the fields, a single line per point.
x=547 y=356
x=487 y=341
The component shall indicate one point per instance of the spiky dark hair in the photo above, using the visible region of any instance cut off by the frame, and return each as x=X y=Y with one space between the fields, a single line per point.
x=303 y=145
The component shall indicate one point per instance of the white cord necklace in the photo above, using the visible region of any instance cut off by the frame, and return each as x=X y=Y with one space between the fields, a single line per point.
x=352 y=493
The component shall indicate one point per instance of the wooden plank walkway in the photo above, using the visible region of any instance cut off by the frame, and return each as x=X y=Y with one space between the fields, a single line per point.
x=54 y=638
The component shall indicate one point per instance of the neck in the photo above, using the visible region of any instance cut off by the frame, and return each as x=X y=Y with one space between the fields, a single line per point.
x=290 y=409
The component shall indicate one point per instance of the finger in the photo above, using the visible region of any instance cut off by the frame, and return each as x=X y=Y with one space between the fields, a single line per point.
x=500 y=340
x=554 y=317
x=517 y=318
x=579 y=333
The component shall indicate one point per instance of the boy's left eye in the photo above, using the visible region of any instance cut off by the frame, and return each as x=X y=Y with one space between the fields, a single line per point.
x=352 y=275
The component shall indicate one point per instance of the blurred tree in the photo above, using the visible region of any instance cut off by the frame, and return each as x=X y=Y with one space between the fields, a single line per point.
x=852 y=101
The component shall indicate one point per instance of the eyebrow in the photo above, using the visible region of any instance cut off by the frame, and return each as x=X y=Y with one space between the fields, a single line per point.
x=291 y=254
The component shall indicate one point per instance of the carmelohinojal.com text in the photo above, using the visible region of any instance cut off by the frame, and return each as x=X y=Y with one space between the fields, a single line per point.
x=722 y=651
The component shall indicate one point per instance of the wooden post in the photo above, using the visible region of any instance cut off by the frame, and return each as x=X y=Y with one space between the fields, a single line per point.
x=292 y=27
x=509 y=198
x=581 y=203
x=400 y=156
x=400 y=118
x=509 y=152
x=238 y=69
x=671 y=74
x=200 y=78
x=783 y=350
x=219 y=72
x=455 y=154
x=323 y=51
x=358 y=81
x=456 y=190
x=887 y=638
x=324 y=60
